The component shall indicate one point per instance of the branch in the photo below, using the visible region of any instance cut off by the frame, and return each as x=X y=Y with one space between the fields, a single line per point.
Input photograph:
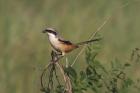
x=98 y=29
x=92 y=36
x=51 y=67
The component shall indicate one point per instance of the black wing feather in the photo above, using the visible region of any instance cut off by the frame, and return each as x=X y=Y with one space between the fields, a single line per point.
x=65 y=41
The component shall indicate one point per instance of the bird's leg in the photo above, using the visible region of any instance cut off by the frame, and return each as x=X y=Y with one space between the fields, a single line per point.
x=56 y=56
x=60 y=55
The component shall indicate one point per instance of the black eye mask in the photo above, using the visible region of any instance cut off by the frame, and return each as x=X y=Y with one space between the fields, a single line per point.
x=50 y=31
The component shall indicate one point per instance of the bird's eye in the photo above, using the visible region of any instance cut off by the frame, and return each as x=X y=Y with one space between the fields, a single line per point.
x=54 y=33
x=50 y=30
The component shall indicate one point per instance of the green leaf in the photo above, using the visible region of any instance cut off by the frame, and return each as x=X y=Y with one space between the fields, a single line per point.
x=94 y=89
x=83 y=75
x=70 y=71
x=88 y=71
x=127 y=65
x=128 y=82
x=60 y=89
x=46 y=90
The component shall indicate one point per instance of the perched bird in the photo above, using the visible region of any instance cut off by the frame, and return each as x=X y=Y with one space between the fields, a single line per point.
x=63 y=46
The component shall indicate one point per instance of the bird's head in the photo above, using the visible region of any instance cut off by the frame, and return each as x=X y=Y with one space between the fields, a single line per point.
x=50 y=31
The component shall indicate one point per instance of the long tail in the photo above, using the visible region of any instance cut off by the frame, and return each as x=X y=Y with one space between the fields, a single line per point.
x=87 y=42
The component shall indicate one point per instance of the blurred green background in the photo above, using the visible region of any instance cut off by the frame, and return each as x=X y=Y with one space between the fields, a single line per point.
x=24 y=50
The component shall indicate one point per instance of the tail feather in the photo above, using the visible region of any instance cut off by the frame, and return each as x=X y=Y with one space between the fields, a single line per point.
x=87 y=42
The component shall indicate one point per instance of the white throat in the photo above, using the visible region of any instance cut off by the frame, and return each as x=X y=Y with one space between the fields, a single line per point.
x=51 y=35
x=53 y=40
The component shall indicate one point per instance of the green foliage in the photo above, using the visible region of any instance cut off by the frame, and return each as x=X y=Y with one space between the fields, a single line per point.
x=96 y=78
x=71 y=72
x=60 y=89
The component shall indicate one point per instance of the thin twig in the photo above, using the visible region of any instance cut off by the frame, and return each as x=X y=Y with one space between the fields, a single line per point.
x=66 y=79
x=67 y=63
x=56 y=77
x=68 y=83
x=46 y=67
x=52 y=69
x=94 y=33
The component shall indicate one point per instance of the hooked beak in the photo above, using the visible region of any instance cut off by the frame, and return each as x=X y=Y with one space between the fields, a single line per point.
x=44 y=31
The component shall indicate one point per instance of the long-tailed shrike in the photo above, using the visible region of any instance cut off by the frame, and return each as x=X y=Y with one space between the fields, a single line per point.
x=60 y=45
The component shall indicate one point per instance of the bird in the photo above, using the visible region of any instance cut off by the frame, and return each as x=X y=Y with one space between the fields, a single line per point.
x=61 y=45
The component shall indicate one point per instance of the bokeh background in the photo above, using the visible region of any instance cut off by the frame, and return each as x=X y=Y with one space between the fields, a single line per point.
x=24 y=50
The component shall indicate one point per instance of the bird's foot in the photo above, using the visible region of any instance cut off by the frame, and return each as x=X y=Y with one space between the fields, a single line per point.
x=56 y=56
